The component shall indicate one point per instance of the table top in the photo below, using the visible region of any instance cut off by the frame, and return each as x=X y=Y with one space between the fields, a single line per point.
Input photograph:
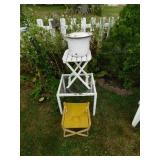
x=74 y=90
x=68 y=58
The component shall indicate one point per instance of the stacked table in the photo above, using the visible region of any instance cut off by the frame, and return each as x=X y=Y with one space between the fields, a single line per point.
x=76 y=65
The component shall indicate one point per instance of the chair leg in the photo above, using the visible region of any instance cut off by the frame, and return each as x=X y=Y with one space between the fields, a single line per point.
x=82 y=132
x=68 y=133
x=71 y=133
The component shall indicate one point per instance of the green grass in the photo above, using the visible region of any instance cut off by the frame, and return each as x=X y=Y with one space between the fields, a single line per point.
x=111 y=132
x=43 y=11
x=112 y=11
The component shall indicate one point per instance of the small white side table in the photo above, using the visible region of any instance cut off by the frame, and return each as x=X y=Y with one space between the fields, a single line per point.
x=63 y=91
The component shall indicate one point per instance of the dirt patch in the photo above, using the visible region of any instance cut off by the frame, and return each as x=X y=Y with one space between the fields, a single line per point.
x=114 y=89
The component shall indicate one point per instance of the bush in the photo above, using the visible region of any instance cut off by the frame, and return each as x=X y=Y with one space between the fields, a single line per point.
x=41 y=56
x=121 y=50
x=96 y=9
x=26 y=16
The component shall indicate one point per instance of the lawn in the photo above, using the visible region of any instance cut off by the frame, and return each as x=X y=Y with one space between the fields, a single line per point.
x=111 y=11
x=111 y=132
x=43 y=11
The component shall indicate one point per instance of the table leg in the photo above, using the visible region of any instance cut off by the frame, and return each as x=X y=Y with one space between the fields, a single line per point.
x=59 y=104
x=94 y=104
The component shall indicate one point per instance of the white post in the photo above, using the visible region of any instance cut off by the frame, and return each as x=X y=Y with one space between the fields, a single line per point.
x=52 y=30
x=40 y=22
x=63 y=26
x=49 y=22
x=93 y=23
x=83 y=24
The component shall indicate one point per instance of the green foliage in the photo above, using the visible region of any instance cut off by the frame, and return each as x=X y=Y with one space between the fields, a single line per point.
x=37 y=90
x=96 y=9
x=84 y=9
x=41 y=56
x=73 y=28
x=121 y=51
x=26 y=16
x=23 y=79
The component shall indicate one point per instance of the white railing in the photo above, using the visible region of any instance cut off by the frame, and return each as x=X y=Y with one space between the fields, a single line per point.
x=101 y=23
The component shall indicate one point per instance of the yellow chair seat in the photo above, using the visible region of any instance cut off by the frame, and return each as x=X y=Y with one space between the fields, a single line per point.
x=76 y=115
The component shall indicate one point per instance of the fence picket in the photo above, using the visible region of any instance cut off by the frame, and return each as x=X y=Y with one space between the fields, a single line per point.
x=83 y=24
x=93 y=23
x=40 y=22
x=102 y=23
x=49 y=22
x=63 y=25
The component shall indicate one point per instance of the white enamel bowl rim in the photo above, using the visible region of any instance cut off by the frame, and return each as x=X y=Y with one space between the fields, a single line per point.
x=79 y=35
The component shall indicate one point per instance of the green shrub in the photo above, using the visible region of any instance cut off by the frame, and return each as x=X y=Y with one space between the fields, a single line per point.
x=41 y=56
x=96 y=9
x=121 y=51
x=26 y=16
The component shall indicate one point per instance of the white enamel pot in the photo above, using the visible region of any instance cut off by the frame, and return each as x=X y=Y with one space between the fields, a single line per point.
x=78 y=43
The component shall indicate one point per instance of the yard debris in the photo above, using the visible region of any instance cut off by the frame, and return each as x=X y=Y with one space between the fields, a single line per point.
x=41 y=99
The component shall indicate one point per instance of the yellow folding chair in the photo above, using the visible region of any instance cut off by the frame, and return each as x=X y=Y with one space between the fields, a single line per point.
x=76 y=116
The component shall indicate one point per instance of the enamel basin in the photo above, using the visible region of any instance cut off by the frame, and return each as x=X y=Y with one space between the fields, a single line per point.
x=78 y=43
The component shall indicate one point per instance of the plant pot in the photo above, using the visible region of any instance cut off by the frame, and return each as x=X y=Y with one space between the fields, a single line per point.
x=78 y=43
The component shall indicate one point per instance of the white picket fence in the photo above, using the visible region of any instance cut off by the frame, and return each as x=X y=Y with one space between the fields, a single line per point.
x=101 y=23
